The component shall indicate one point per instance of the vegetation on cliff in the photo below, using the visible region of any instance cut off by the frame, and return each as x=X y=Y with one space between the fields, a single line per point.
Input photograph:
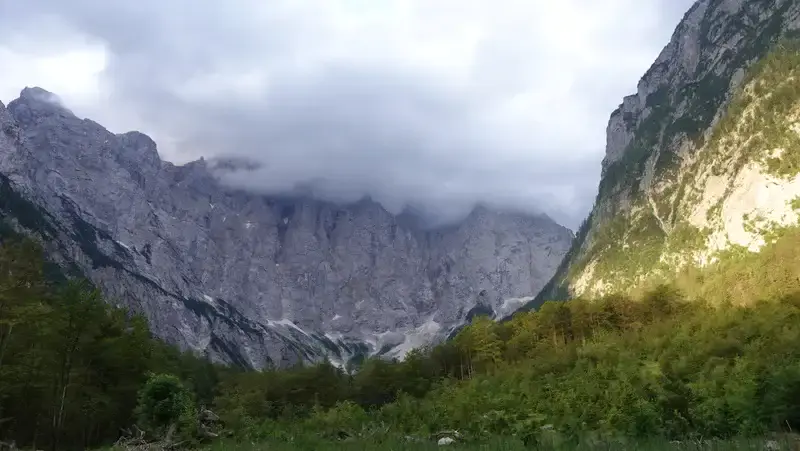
x=654 y=236
x=75 y=370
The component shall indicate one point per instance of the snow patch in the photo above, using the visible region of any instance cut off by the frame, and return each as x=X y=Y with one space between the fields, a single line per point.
x=335 y=317
x=123 y=244
x=371 y=342
x=511 y=305
x=339 y=341
x=336 y=362
x=389 y=339
x=287 y=323
x=416 y=338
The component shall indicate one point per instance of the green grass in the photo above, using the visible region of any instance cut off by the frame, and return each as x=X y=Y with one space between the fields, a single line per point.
x=500 y=444
x=311 y=444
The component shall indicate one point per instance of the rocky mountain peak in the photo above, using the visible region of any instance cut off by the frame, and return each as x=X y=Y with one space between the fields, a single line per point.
x=671 y=193
x=249 y=279
x=34 y=103
x=37 y=95
x=140 y=148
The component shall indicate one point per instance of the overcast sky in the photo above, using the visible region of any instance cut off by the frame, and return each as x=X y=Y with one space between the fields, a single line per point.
x=434 y=103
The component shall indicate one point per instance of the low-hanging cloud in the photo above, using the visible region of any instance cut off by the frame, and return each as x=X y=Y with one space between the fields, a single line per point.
x=436 y=105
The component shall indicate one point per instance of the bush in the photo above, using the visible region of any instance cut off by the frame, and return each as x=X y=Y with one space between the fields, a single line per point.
x=345 y=418
x=164 y=401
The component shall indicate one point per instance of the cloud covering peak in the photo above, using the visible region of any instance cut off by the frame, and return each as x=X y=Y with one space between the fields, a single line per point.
x=438 y=105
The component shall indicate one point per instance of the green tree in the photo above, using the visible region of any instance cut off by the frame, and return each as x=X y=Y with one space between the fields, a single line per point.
x=81 y=315
x=555 y=320
x=164 y=401
x=484 y=344
x=22 y=288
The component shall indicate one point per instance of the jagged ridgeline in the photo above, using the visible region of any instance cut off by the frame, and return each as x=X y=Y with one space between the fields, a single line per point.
x=702 y=171
x=251 y=280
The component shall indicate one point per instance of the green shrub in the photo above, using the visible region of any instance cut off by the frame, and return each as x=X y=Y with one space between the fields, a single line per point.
x=164 y=401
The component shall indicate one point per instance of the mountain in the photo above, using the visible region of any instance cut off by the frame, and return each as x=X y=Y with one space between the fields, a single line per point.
x=702 y=169
x=246 y=279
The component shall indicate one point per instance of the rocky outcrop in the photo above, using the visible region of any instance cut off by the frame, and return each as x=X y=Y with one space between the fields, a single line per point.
x=248 y=279
x=686 y=167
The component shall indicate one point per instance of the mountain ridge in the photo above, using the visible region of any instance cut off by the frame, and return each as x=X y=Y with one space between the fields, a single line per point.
x=247 y=279
x=667 y=140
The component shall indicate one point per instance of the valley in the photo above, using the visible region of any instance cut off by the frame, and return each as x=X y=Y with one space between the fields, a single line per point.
x=135 y=291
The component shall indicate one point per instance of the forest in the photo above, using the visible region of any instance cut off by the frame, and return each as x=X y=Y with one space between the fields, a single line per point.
x=75 y=371
x=71 y=365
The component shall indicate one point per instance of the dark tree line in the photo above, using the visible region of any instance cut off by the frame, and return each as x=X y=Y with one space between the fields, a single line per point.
x=71 y=364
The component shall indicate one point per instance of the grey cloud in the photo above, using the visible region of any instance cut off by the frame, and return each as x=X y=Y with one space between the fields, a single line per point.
x=242 y=79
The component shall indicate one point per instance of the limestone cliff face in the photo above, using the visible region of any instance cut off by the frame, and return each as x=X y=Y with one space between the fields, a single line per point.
x=248 y=279
x=701 y=159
